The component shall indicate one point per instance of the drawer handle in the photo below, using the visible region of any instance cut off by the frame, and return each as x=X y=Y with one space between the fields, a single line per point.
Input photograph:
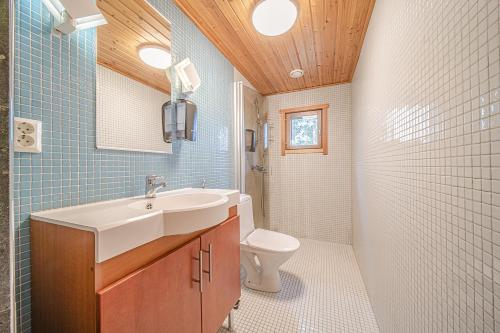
x=210 y=264
x=200 y=271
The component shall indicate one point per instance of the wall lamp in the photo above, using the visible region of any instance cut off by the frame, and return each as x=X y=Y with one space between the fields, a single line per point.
x=71 y=15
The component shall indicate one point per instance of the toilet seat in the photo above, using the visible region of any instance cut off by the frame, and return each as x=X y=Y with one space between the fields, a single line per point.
x=272 y=241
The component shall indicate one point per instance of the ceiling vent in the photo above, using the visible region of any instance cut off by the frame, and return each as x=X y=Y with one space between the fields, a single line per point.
x=296 y=73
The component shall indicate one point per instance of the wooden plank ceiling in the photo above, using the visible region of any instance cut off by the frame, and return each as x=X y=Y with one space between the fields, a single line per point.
x=325 y=41
x=132 y=23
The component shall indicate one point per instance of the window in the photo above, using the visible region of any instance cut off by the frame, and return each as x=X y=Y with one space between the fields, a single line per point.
x=304 y=130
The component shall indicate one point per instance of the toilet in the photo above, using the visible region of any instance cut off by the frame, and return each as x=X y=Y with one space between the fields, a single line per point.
x=262 y=251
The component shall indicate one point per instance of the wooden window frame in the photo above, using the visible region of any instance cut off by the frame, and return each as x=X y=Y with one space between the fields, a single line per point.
x=322 y=147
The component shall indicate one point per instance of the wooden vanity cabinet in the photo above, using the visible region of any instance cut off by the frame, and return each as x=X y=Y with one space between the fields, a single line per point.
x=221 y=274
x=131 y=295
x=161 y=297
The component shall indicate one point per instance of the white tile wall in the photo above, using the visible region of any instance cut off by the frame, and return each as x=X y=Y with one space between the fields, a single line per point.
x=426 y=165
x=128 y=114
x=309 y=195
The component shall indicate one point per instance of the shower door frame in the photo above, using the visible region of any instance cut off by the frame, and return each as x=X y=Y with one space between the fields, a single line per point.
x=239 y=139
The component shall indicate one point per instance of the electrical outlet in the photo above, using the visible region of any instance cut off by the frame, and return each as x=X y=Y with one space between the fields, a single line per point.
x=27 y=135
x=25 y=140
x=25 y=127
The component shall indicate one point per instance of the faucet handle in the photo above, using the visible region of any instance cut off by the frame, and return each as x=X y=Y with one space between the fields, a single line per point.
x=154 y=178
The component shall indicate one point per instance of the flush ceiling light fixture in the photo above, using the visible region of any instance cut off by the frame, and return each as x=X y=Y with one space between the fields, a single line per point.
x=70 y=15
x=155 y=56
x=297 y=73
x=274 y=17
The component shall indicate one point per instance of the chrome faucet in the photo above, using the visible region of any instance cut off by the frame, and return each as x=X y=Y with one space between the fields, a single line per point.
x=153 y=184
x=203 y=183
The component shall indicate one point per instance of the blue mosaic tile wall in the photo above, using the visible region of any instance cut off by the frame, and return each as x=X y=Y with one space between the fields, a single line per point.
x=55 y=83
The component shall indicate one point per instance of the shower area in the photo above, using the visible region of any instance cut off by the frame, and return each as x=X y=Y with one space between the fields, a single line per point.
x=253 y=154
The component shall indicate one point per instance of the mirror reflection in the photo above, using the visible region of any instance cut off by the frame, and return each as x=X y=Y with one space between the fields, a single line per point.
x=132 y=76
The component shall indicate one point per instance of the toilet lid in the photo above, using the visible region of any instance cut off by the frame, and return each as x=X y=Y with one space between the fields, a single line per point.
x=272 y=241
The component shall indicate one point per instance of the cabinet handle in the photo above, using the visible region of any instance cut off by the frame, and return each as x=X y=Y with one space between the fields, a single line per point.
x=210 y=265
x=200 y=271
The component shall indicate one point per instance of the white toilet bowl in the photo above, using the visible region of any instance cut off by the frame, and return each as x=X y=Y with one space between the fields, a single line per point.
x=262 y=251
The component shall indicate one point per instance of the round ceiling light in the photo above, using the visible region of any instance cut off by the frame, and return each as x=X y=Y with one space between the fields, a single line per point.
x=296 y=73
x=274 y=17
x=155 y=56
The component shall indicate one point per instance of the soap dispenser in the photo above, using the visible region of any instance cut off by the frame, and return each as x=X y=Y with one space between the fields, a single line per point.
x=179 y=120
x=186 y=120
x=169 y=121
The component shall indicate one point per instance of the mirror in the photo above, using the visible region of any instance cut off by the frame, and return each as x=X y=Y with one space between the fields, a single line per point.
x=132 y=76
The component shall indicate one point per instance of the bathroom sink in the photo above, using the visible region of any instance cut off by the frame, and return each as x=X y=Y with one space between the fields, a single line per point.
x=124 y=224
x=181 y=202
x=186 y=212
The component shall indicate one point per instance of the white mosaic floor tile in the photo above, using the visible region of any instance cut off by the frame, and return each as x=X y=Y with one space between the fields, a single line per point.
x=322 y=292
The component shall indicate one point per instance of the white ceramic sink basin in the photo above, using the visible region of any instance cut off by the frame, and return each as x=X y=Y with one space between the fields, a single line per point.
x=124 y=224
x=181 y=202
x=186 y=212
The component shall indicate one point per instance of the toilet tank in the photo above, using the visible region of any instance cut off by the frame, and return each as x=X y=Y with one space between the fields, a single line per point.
x=246 y=216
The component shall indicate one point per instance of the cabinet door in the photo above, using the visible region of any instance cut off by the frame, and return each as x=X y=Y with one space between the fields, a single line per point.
x=161 y=297
x=221 y=290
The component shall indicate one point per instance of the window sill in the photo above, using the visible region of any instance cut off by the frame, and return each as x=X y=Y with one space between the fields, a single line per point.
x=305 y=151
